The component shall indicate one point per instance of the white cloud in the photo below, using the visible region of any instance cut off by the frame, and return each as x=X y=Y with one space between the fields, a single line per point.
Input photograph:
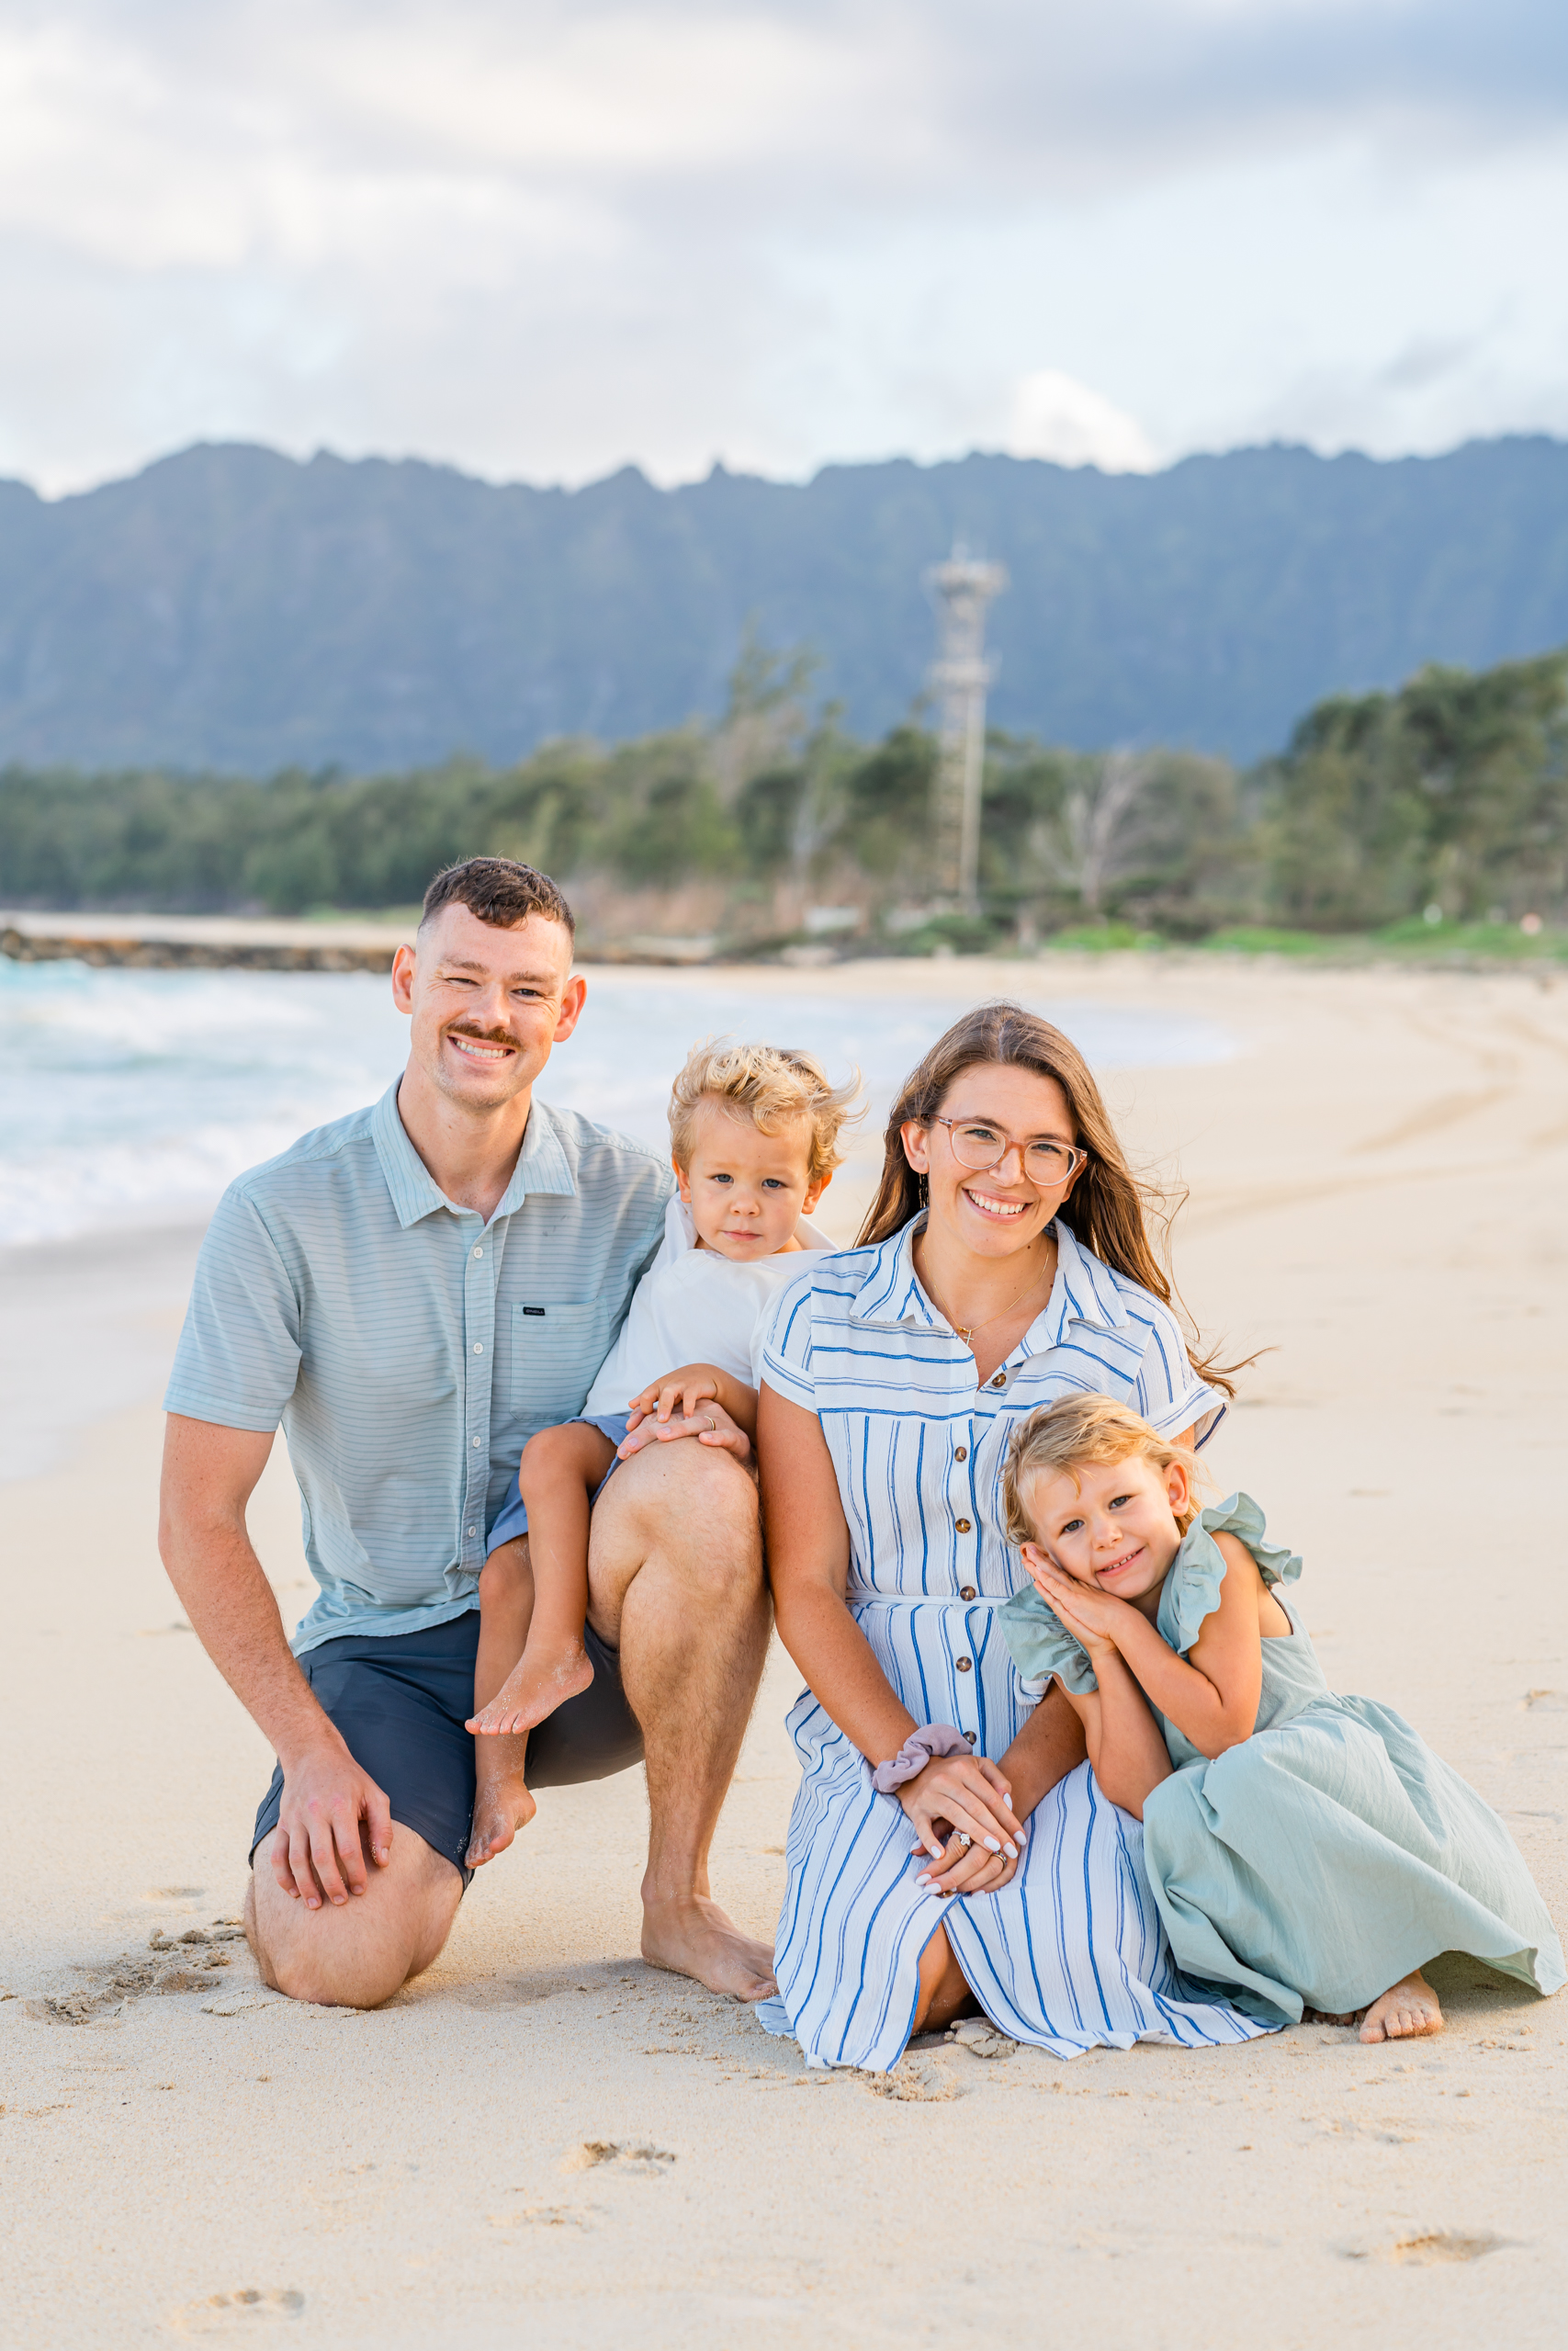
x=544 y=237
x=1054 y=416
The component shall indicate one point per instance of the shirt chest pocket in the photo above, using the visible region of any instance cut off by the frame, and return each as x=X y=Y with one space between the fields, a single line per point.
x=556 y=1352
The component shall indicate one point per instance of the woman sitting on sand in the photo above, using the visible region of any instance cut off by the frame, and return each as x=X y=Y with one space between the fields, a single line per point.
x=893 y=1375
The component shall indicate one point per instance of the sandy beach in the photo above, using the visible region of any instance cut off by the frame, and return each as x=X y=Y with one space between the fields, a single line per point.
x=543 y=2142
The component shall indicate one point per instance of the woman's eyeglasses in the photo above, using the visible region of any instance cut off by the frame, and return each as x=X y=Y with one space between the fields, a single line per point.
x=982 y=1147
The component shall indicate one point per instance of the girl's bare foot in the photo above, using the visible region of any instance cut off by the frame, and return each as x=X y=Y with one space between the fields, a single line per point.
x=1406 y=2011
x=537 y=1684
x=501 y=1806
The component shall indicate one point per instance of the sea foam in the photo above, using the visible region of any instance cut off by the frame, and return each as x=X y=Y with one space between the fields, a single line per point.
x=132 y=1097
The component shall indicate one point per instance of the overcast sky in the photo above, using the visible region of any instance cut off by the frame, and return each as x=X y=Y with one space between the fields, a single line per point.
x=539 y=241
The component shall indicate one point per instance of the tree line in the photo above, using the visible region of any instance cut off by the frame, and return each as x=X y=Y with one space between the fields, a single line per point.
x=1451 y=793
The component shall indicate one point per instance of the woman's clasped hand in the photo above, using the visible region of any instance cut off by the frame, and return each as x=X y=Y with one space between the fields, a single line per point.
x=960 y=1809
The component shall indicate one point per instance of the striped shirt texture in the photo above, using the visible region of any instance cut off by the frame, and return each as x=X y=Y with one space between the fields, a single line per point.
x=1071 y=1954
x=408 y=1348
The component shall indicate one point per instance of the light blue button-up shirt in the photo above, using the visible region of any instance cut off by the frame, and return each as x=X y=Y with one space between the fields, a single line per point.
x=408 y=1348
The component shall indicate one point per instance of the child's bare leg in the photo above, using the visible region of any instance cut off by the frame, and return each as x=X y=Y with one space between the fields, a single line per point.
x=1405 y=2012
x=561 y=1468
x=502 y=1802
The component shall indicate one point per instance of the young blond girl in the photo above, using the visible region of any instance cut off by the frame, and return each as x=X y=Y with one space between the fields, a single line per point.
x=754 y=1132
x=1307 y=1851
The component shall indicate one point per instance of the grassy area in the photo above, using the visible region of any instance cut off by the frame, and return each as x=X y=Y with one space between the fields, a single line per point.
x=1412 y=941
x=1415 y=941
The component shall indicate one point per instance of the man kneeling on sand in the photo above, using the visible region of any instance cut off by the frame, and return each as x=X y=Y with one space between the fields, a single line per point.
x=413 y=1293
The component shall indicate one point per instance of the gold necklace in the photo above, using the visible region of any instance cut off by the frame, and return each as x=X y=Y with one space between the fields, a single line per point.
x=967 y=1336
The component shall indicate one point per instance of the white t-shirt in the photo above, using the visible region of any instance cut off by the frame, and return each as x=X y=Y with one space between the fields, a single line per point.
x=694 y=1306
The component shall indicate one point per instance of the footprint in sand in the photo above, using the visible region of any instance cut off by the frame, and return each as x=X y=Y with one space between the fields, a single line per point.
x=245 y=2303
x=643 y=2163
x=542 y=2216
x=195 y=1958
x=931 y=2085
x=1433 y=2246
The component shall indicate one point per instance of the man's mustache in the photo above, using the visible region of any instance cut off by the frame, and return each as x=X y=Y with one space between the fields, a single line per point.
x=480 y=1036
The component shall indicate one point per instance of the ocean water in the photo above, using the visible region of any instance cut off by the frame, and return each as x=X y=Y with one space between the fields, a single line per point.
x=131 y=1098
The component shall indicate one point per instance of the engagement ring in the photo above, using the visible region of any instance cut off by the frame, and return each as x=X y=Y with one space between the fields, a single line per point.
x=964 y=1841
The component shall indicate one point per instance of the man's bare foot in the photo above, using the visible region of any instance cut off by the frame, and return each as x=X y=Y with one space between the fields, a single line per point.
x=537 y=1684
x=1326 y=2017
x=692 y=1937
x=1406 y=2011
x=501 y=1806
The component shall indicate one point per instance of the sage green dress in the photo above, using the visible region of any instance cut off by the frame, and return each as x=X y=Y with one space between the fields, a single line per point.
x=1329 y=1854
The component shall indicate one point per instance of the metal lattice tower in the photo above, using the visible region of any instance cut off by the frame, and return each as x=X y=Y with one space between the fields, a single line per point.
x=960 y=676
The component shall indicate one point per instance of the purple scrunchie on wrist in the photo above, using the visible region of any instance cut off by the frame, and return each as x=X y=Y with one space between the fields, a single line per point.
x=918 y=1749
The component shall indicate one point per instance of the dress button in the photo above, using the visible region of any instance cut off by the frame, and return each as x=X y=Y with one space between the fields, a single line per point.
x=961 y=1524
x=967 y=1591
x=1000 y=1380
x=962 y=1454
x=971 y=1736
x=964 y=1666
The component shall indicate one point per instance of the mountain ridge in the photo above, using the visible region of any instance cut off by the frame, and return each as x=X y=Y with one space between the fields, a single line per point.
x=231 y=608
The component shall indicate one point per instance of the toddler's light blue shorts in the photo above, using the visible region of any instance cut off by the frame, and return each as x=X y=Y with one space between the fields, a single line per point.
x=514 y=1518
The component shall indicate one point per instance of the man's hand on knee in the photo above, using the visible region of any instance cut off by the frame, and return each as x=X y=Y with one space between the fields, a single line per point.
x=332 y=1814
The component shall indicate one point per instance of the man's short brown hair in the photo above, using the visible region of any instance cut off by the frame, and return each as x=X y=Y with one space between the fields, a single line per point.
x=498 y=890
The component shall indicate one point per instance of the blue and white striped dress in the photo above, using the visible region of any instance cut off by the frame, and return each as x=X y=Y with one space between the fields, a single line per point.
x=1071 y=1955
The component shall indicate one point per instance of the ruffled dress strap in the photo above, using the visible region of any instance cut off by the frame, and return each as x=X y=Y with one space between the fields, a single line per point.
x=1041 y=1646
x=1192 y=1588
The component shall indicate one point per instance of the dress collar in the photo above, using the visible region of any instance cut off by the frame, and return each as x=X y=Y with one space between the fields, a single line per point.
x=542 y=1164
x=1084 y=1291
x=891 y=1290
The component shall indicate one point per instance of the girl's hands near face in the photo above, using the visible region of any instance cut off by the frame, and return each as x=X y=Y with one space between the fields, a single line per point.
x=1093 y=1616
x=968 y=1794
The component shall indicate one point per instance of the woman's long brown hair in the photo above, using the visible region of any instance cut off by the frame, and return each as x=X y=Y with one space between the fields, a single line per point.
x=1109 y=1208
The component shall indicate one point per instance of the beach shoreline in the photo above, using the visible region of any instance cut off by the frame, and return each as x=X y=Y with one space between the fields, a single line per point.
x=543 y=2138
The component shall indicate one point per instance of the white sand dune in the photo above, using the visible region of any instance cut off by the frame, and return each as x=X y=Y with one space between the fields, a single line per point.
x=543 y=2142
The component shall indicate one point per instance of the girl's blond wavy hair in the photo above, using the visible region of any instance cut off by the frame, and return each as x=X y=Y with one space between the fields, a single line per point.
x=772 y=1086
x=1084 y=1432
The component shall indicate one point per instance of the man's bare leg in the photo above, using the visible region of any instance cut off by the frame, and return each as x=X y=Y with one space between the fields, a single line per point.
x=501 y=1802
x=355 y=1954
x=675 y=1583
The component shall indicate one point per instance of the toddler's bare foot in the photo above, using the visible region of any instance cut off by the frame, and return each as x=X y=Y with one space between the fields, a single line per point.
x=501 y=1806
x=537 y=1684
x=1406 y=2011
x=1326 y=2017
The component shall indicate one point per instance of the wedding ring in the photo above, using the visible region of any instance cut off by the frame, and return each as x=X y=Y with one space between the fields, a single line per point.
x=713 y=1424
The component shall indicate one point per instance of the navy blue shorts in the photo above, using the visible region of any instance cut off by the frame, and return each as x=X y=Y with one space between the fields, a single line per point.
x=401 y=1702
